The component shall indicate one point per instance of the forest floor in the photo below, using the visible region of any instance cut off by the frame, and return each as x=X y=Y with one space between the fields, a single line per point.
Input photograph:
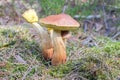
x=88 y=57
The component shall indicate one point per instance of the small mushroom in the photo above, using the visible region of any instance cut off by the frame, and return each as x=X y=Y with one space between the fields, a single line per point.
x=46 y=45
x=59 y=24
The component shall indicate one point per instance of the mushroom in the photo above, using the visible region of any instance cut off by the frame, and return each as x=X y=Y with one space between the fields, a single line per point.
x=46 y=45
x=59 y=24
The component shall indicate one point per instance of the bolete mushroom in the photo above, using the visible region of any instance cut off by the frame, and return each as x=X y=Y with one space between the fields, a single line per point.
x=46 y=45
x=58 y=24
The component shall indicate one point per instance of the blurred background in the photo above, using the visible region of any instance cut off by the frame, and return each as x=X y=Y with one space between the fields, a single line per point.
x=101 y=16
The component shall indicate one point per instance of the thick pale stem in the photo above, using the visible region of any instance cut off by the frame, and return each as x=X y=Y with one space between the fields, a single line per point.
x=46 y=44
x=51 y=35
x=65 y=41
x=59 y=56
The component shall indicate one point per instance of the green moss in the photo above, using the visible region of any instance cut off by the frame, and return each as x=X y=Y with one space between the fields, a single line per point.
x=62 y=70
x=95 y=63
x=8 y=33
x=112 y=47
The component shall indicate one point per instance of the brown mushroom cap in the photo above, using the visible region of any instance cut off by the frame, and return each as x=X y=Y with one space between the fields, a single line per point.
x=60 y=22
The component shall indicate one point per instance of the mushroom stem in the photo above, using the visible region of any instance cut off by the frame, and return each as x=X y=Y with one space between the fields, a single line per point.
x=51 y=34
x=65 y=41
x=59 y=56
x=46 y=45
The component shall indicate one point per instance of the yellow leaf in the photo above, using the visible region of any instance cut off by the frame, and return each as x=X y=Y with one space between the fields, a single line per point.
x=30 y=15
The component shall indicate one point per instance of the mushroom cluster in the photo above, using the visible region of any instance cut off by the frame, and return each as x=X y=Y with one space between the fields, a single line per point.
x=59 y=27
